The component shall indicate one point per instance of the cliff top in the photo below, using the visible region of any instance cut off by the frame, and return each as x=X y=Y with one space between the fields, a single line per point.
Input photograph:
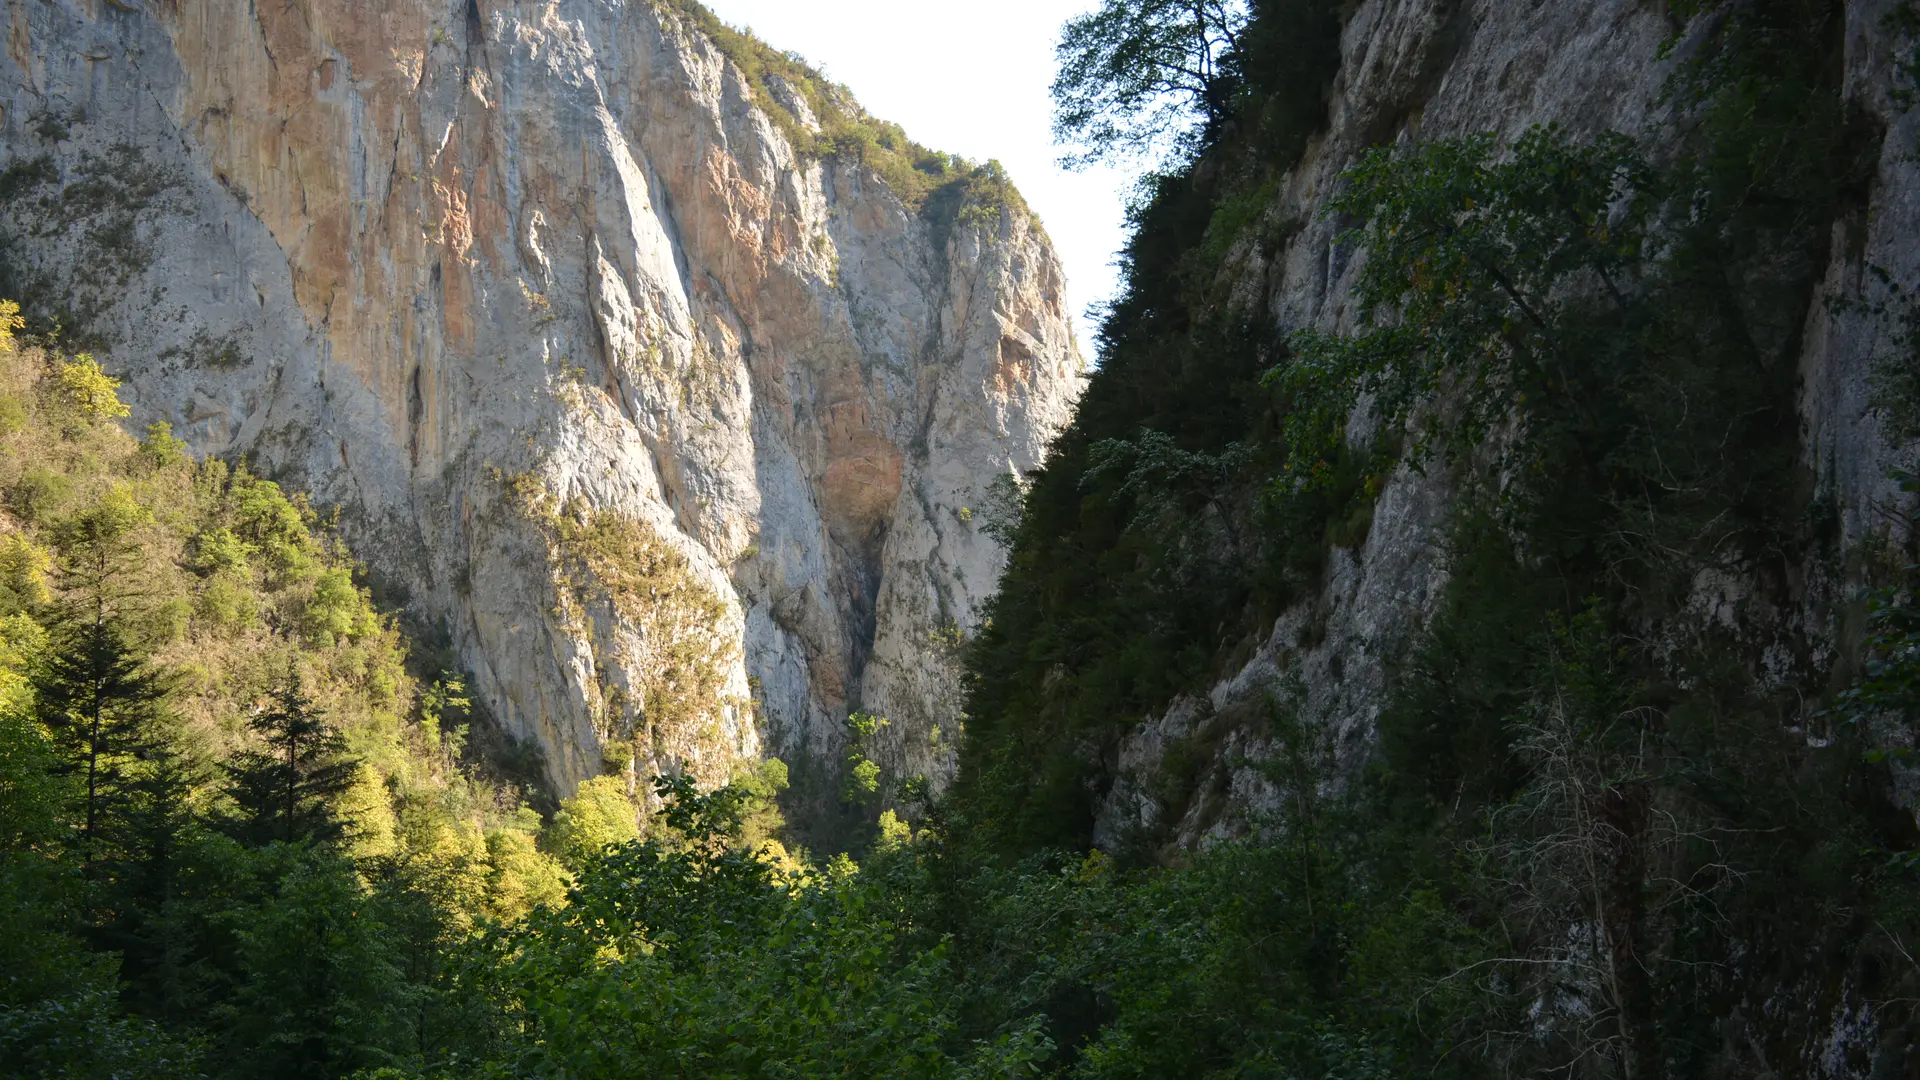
x=822 y=119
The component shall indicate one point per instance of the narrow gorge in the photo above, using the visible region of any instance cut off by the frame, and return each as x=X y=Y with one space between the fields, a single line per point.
x=540 y=539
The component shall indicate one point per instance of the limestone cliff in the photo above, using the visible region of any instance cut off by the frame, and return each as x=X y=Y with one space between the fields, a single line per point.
x=1421 y=70
x=674 y=428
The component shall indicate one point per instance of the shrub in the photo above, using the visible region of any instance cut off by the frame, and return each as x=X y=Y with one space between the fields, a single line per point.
x=227 y=605
x=333 y=612
x=40 y=493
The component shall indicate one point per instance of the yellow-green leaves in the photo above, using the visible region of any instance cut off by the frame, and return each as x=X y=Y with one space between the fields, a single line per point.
x=333 y=612
x=10 y=321
x=265 y=517
x=599 y=814
x=894 y=831
x=863 y=773
x=111 y=519
x=90 y=389
x=519 y=876
x=21 y=639
x=24 y=566
x=220 y=549
x=160 y=449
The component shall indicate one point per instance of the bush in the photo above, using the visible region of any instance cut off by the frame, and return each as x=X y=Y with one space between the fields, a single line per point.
x=598 y=816
x=333 y=611
x=39 y=495
x=227 y=605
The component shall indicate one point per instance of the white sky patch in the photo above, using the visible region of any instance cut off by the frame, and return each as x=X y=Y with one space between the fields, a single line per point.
x=969 y=79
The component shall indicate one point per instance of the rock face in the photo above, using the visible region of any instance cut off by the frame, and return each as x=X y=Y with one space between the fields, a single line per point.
x=532 y=292
x=1431 y=69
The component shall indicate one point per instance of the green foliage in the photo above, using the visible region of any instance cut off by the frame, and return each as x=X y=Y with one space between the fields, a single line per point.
x=10 y=322
x=862 y=780
x=103 y=706
x=691 y=954
x=286 y=788
x=220 y=550
x=84 y=1037
x=1135 y=73
x=520 y=877
x=1002 y=507
x=599 y=815
x=165 y=622
x=334 y=609
x=760 y=787
x=1146 y=550
x=90 y=390
x=1599 y=826
x=38 y=493
x=1477 y=260
x=319 y=995
x=440 y=705
x=160 y=450
x=1601 y=834
x=40 y=897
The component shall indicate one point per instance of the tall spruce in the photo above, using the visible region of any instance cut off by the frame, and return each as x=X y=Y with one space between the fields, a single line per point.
x=99 y=699
x=95 y=692
x=144 y=916
x=285 y=788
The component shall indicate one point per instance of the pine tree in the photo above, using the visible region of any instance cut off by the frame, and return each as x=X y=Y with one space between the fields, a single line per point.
x=102 y=703
x=317 y=995
x=151 y=841
x=95 y=692
x=285 y=789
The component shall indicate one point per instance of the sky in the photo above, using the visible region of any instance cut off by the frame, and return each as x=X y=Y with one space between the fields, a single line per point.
x=969 y=79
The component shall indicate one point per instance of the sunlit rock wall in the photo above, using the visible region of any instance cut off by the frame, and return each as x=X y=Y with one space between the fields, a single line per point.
x=458 y=269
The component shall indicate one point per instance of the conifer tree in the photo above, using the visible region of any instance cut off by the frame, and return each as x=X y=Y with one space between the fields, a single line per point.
x=102 y=703
x=285 y=790
x=317 y=995
x=146 y=896
x=95 y=691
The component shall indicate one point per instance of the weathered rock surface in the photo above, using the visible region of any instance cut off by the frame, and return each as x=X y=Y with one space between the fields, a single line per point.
x=1430 y=69
x=452 y=267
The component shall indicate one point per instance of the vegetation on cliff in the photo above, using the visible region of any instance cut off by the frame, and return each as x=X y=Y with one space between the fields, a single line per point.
x=238 y=833
x=243 y=832
x=667 y=622
x=1597 y=822
x=821 y=119
x=1145 y=551
x=1603 y=831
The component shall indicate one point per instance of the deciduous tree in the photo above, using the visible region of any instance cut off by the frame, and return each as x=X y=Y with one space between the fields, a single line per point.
x=1136 y=74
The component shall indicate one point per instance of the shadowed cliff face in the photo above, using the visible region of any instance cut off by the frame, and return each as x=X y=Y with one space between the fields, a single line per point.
x=1419 y=71
x=501 y=281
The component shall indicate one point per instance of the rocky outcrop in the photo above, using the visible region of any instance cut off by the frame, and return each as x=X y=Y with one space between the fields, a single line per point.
x=1418 y=70
x=546 y=303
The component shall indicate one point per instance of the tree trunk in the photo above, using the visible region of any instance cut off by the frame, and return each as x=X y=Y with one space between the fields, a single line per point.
x=1627 y=814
